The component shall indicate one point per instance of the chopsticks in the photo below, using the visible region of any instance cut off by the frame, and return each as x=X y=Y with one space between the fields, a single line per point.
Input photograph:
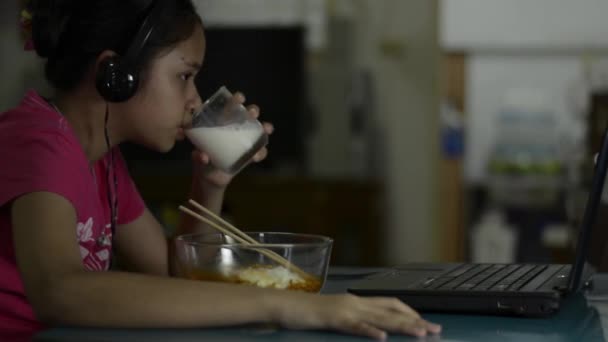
x=235 y=233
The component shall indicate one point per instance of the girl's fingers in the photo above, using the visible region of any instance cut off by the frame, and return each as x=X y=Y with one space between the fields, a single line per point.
x=393 y=315
x=397 y=305
x=200 y=157
x=261 y=155
x=254 y=111
x=391 y=321
x=268 y=127
x=364 y=329
x=432 y=327
x=239 y=97
x=417 y=328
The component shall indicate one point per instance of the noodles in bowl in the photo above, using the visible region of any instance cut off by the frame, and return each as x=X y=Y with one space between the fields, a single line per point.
x=215 y=257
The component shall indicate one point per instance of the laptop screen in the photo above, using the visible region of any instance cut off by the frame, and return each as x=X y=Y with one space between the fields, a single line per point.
x=597 y=253
x=591 y=251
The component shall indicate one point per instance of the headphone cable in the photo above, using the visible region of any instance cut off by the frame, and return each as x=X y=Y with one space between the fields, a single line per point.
x=112 y=195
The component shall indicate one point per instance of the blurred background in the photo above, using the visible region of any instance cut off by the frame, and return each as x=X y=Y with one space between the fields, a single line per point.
x=407 y=130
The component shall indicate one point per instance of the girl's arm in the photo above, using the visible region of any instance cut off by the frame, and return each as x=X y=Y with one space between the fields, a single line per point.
x=142 y=244
x=209 y=195
x=62 y=292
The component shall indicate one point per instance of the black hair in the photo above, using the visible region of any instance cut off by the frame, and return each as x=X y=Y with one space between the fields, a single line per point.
x=70 y=34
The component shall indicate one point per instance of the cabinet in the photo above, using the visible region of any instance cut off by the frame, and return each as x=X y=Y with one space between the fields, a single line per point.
x=349 y=211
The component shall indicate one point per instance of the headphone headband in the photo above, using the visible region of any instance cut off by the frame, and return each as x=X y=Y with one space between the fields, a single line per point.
x=118 y=76
x=143 y=34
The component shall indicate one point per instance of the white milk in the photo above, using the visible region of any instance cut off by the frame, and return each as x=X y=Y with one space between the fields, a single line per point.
x=225 y=145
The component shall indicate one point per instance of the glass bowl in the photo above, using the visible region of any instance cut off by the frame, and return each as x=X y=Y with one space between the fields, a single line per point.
x=280 y=260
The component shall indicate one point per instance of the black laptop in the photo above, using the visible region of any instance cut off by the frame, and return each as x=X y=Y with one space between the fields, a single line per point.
x=504 y=289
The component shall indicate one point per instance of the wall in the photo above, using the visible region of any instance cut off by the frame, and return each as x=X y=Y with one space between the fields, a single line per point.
x=554 y=24
x=20 y=69
x=399 y=43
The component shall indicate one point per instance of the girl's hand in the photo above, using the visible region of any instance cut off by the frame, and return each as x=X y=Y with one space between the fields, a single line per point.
x=367 y=316
x=209 y=174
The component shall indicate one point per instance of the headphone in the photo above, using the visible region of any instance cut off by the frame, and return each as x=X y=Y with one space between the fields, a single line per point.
x=117 y=78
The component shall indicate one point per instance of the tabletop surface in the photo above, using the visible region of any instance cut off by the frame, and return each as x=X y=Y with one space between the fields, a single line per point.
x=582 y=317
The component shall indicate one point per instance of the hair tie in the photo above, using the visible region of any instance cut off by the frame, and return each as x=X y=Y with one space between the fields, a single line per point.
x=25 y=22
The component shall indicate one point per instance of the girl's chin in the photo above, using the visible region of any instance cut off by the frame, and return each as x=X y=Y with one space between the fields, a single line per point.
x=180 y=135
x=166 y=147
x=161 y=146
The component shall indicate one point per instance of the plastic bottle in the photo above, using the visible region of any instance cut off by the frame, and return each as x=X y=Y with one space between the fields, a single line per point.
x=494 y=240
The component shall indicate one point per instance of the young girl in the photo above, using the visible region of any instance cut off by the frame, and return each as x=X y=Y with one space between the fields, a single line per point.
x=124 y=70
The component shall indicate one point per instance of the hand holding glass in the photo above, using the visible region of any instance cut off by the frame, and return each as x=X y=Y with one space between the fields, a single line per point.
x=225 y=130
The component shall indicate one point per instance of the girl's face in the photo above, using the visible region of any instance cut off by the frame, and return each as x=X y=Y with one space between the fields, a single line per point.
x=156 y=115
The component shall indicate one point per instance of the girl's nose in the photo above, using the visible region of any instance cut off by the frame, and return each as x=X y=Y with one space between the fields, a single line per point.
x=196 y=103
x=187 y=118
x=193 y=106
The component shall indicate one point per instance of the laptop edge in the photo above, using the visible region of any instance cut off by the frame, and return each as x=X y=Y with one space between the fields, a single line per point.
x=539 y=297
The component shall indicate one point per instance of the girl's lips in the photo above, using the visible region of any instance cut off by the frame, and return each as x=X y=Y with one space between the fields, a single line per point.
x=180 y=134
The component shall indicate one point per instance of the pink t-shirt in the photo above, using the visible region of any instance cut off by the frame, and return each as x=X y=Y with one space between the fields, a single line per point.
x=40 y=152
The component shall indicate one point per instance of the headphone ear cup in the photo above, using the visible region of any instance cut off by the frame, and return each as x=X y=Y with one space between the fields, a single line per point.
x=114 y=82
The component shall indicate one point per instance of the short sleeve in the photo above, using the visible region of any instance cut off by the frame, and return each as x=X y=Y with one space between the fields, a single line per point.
x=130 y=204
x=39 y=161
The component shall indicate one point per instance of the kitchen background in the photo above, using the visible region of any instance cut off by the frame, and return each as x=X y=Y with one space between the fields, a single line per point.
x=408 y=130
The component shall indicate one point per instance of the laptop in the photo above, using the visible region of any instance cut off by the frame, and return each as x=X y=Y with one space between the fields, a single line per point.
x=503 y=289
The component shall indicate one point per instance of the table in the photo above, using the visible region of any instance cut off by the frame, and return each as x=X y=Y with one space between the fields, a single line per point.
x=582 y=318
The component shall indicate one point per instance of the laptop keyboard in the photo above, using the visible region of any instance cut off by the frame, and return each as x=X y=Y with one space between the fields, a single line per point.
x=484 y=277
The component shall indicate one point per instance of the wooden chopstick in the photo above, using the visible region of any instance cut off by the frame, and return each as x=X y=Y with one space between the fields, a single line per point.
x=222 y=221
x=239 y=232
x=271 y=254
x=214 y=225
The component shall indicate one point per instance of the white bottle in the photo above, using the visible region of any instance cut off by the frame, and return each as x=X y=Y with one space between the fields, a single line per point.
x=494 y=240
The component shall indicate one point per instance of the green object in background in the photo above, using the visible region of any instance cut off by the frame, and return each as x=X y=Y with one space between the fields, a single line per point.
x=169 y=217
